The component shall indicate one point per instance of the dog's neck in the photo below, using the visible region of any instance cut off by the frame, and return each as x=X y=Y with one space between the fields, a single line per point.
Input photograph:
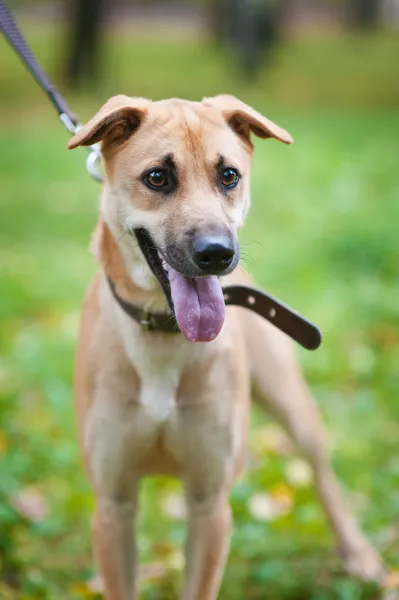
x=123 y=262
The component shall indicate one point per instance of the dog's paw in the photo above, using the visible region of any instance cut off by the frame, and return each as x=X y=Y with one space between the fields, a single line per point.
x=363 y=562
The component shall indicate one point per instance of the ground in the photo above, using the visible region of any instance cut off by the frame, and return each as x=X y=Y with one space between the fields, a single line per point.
x=322 y=236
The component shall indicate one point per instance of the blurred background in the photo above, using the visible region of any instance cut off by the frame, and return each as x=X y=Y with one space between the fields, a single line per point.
x=322 y=236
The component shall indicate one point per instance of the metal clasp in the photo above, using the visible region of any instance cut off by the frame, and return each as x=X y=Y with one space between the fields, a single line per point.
x=69 y=124
x=93 y=163
x=94 y=159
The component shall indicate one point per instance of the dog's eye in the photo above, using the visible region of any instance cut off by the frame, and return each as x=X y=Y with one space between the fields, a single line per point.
x=230 y=178
x=156 y=179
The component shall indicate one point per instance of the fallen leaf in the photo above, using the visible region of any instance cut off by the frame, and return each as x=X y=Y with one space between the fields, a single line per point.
x=83 y=590
x=153 y=570
x=391 y=581
x=268 y=507
x=176 y=560
x=31 y=504
x=283 y=494
x=299 y=473
x=173 y=505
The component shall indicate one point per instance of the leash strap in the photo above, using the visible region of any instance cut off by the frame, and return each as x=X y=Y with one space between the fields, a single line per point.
x=281 y=316
x=13 y=35
x=17 y=41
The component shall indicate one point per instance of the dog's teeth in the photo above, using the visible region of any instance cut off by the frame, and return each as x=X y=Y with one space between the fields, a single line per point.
x=164 y=264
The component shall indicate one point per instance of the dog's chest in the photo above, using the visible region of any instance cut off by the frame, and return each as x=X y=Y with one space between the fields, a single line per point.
x=159 y=364
x=167 y=416
x=159 y=382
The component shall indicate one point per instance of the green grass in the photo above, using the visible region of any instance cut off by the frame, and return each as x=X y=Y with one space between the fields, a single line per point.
x=322 y=236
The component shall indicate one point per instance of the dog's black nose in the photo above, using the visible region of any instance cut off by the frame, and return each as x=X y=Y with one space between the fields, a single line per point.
x=213 y=254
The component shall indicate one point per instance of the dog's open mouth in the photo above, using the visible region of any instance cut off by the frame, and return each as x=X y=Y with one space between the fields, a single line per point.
x=197 y=302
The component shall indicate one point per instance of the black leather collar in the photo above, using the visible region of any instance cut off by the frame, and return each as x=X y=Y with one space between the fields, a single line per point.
x=150 y=321
x=281 y=316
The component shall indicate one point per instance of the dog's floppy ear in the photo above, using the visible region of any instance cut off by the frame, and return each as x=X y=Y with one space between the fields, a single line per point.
x=243 y=119
x=117 y=119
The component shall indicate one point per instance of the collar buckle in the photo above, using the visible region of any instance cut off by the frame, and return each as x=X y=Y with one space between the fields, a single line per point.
x=147 y=321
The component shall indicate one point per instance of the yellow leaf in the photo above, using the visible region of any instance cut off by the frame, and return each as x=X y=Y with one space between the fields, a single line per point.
x=282 y=493
x=83 y=590
x=391 y=581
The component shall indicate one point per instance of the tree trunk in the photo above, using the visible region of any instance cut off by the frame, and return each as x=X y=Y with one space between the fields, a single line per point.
x=365 y=13
x=250 y=27
x=84 y=61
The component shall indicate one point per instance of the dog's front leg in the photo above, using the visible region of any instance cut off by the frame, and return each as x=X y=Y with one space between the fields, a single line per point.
x=115 y=484
x=209 y=523
x=114 y=547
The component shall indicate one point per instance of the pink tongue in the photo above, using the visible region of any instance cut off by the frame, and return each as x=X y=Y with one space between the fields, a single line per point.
x=199 y=306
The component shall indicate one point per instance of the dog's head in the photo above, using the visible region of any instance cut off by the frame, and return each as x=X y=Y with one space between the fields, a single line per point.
x=177 y=178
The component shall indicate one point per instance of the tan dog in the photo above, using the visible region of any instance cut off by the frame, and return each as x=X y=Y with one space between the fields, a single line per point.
x=176 y=192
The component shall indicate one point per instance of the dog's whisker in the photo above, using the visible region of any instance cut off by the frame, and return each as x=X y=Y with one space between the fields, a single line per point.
x=246 y=259
x=245 y=262
x=246 y=243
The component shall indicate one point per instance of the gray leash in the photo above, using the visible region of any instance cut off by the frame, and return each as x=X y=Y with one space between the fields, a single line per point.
x=12 y=33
